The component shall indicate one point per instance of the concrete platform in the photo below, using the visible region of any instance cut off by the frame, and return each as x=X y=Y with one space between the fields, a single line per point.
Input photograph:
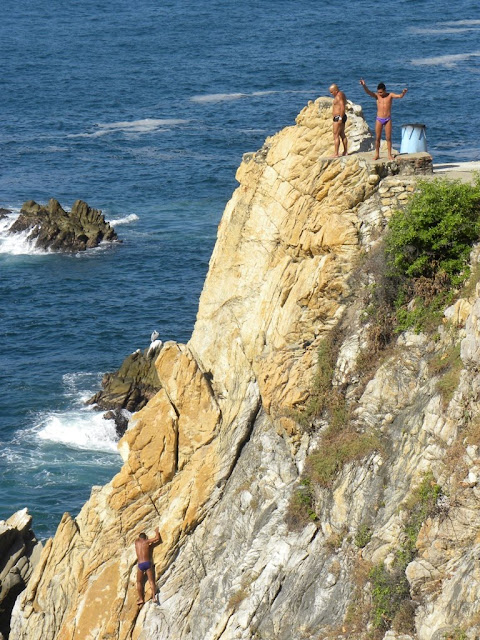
x=463 y=171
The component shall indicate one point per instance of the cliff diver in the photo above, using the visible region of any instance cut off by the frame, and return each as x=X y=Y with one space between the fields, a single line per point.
x=384 y=115
x=143 y=548
x=339 y=119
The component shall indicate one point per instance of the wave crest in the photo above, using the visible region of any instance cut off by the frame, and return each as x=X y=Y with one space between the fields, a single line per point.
x=132 y=217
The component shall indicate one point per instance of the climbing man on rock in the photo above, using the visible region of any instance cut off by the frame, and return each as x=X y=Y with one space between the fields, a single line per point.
x=143 y=546
x=384 y=115
x=339 y=119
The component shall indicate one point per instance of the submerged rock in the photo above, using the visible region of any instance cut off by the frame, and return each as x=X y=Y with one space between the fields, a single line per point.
x=53 y=228
x=19 y=554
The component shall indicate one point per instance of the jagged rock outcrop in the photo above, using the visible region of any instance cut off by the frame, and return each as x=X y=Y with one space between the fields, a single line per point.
x=19 y=554
x=216 y=455
x=53 y=228
x=130 y=388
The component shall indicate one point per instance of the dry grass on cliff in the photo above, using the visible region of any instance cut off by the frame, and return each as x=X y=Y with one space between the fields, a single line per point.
x=341 y=443
x=448 y=366
x=337 y=450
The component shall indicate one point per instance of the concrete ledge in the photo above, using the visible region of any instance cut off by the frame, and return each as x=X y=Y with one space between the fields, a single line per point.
x=463 y=171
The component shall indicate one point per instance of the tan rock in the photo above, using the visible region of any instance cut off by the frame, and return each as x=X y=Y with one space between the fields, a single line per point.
x=278 y=282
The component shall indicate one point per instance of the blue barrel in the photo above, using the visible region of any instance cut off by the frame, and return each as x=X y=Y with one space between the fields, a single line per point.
x=414 y=139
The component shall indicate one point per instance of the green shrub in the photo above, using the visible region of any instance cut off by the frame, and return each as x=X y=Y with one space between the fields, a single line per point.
x=392 y=605
x=436 y=230
x=423 y=259
x=300 y=509
x=456 y=634
x=363 y=536
x=390 y=589
x=421 y=505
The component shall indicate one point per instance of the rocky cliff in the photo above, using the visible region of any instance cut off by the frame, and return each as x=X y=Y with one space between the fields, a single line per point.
x=19 y=553
x=217 y=457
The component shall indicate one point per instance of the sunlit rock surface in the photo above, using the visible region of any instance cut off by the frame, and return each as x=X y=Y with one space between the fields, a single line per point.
x=216 y=454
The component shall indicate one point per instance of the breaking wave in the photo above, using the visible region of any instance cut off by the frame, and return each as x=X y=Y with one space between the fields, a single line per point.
x=19 y=243
x=132 y=217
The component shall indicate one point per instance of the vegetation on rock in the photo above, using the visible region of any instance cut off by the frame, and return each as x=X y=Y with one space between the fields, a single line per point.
x=390 y=587
x=423 y=260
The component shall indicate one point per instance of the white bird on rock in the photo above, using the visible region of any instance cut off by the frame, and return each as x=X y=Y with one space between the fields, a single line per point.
x=155 y=343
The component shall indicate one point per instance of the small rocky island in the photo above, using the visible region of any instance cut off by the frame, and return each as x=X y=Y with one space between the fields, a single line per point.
x=52 y=228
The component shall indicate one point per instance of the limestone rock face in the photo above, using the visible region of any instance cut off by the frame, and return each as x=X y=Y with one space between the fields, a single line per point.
x=19 y=554
x=54 y=229
x=216 y=455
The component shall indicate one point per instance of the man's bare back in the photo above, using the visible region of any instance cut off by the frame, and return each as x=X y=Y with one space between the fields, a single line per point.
x=143 y=547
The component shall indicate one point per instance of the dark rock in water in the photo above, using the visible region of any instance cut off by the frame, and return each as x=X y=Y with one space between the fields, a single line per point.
x=4 y=213
x=130 y=388
x=120 y=417
x=53 y=228
x=19 y=554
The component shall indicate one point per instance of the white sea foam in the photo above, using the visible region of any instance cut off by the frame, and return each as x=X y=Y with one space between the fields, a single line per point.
x=444 y=30
x=218 y=97
x=19 y=243
x=226 y=97
x=147 y=125
x=132 y=217
x=448 y=61
x=80 y=386
x=140 y=126
x=263 y=93
x=82 y=429
x=461 y=22
x=95 y=134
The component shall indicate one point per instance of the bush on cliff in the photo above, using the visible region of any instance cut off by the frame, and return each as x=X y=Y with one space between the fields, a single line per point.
x=436 y=231
x=424 y=258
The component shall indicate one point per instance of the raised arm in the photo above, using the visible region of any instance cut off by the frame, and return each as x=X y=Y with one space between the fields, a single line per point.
x=156 y=539
x=367 y=90
x=399 y=95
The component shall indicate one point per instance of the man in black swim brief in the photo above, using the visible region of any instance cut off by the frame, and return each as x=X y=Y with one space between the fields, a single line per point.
x=339 y=119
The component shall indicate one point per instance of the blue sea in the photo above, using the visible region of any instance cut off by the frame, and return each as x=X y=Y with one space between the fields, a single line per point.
x=144 y=110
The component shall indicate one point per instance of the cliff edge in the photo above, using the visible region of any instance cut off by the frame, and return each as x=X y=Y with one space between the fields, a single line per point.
x=216 y=455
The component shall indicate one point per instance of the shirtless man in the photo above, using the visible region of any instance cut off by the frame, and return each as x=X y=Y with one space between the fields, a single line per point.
x=145 y=566
x=384 y=115
x=339 y=119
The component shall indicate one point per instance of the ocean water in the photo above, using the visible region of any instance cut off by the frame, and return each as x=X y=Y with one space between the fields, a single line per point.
x=144 y=110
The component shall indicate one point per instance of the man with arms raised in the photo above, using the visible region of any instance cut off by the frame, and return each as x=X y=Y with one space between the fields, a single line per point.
x=339 y=119
x=384 y=115
x=145 y=566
